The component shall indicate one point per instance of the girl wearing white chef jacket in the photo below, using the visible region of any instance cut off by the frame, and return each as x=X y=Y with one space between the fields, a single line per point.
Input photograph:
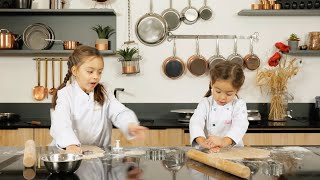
x=220 y=119
x=83 y=111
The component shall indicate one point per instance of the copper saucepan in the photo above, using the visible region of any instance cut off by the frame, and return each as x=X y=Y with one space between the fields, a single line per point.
x=197 y=64
x=67 y=45
x=251 y=61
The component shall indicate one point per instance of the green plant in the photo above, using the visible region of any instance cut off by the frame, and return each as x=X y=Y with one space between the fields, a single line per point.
x=293 y=37
x=127 y=53
x=103 y=32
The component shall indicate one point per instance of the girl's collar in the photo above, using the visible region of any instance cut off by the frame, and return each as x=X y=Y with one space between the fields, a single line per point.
x=80 y=91
x=215 y=104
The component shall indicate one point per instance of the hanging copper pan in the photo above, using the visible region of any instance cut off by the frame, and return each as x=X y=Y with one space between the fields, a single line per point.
x=173 y=67
x=251 y=61
x=197 y=64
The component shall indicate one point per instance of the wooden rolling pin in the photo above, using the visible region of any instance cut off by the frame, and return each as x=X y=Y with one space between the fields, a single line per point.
x=219 y=163
x=29 y=156
x=29 y=173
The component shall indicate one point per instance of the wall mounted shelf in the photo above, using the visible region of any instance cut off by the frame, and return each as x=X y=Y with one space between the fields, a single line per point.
x=35 y=53
x=289 y=12
x=67 y=24
x=304 y=53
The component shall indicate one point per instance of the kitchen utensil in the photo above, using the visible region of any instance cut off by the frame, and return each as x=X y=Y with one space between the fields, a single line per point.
x=38 y=91
x=173 y=67
x=251 y=61
x=314 y=40
x=215 y=59
x=46 y=78
x=219 y=163
x=52 y=90
x=29 y=155
x=173 y=161
x=189 y=14
x=23 y=4
x=235 y=57
x=29 y=173
x=9 y=40
x=67 y=45
x=254 y=115
x=205 y=12
x=8 y=116
x=60 y=71
x=197 y=64
x=34 y=123
x=34 y=36
x=151 y=29
x=172 y=17
x=62 y=163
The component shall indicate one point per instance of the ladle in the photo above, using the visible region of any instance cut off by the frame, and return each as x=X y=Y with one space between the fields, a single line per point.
x=52 y=90
x=46 y=79
x=38 y=91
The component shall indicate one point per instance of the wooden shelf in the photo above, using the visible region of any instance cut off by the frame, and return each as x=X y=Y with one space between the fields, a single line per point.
x=289 y=12
x=45 y=52
x=57 y=12
x=304 y=53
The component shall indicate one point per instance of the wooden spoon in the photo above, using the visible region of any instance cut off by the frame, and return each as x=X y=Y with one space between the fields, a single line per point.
x=46 y=79
x=38 y=91
x=52 y=90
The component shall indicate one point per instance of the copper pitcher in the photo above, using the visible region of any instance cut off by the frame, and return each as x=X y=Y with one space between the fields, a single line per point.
x=7 y=40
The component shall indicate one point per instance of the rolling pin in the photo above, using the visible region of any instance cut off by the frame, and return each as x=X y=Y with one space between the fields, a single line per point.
x=29 y=173
x=29 y=156
x=219 y=163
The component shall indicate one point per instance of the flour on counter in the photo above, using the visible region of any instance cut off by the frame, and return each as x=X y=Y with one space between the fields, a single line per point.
x=294 y=149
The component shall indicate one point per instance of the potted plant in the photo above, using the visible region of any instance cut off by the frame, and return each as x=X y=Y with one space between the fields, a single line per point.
x=103 y=34
x=293 y=42
x=129 y=59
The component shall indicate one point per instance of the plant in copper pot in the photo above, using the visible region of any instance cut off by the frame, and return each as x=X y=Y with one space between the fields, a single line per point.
x=104 y=34
x=293 y=42
x=130 y=60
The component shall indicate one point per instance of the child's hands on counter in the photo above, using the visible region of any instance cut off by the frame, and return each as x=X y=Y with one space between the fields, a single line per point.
x=137 y=131
x=73 y=149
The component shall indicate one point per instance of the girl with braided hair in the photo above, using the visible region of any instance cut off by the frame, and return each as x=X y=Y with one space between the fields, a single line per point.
x=220 y=119
x=83 y=112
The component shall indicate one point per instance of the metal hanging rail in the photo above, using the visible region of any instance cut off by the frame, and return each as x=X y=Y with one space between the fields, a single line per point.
x=254 y=36
x=50 y=59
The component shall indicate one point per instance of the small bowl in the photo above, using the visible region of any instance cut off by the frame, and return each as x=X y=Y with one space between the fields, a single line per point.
x=62 y=163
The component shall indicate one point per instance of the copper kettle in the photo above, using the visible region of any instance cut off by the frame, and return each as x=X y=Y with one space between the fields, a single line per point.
x=8 y=40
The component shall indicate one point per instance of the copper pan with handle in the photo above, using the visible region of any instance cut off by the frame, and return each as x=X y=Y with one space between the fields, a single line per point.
x=197 y=64
x=251 y=61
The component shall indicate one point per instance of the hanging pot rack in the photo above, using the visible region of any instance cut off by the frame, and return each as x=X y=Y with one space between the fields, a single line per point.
x=50 y=59
x=254 y=36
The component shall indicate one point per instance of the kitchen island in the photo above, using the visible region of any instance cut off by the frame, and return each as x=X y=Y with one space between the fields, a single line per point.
x=291 y=162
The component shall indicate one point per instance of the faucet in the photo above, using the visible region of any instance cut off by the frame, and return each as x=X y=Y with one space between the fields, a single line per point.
x=289 y=114
x=116 y=90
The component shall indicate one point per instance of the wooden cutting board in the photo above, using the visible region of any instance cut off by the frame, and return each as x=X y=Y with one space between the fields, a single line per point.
x=238 y=153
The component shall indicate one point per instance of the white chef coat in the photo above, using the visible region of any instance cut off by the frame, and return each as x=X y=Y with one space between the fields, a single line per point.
x=230 y=120
x=78 y=119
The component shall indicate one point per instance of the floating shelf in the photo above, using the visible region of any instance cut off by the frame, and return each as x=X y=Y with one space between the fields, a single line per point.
x=57 y=12
x=45 y=52
x=304 y=53
x=289 y=12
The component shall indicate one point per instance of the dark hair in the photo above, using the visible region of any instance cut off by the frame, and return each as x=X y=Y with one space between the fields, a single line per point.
x=226 y=70
x=77 y=58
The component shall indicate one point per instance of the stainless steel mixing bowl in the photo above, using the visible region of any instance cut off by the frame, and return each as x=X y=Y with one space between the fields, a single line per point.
x=62 y=163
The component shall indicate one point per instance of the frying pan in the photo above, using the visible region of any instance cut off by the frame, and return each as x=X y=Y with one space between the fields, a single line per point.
x=215 y=59
x=235 y=57
x=197 y=64
x=205 y=12
x=151 y=29
x=189 y=14
x=173 y=67
x=251 y=61
x=172 y=17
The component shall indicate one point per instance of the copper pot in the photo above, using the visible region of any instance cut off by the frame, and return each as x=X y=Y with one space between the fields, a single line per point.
x=67 y=45
x=7 y=40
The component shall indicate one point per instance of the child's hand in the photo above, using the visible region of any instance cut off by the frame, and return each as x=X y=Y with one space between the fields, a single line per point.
x=214 y=141
x=214 y=150
x=73 y=149
x=137 y=131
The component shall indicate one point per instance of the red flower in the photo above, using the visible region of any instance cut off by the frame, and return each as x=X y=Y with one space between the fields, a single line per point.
x=274 y=60
x=282 y=47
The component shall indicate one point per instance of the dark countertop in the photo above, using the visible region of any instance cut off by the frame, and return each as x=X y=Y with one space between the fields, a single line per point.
x=284 y=163
x=292 y=125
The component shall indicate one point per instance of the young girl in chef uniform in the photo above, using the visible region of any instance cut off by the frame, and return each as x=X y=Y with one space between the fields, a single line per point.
x=220 y=119
x=83 y=112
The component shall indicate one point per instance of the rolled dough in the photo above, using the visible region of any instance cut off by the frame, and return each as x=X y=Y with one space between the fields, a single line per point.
x=90 y=152
x=237 y=153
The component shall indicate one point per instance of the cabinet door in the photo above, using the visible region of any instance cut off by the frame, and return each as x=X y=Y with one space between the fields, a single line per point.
x=294 y=139
x=154 y=137
x=15 y=137
x=186 y=139
x=42 y=136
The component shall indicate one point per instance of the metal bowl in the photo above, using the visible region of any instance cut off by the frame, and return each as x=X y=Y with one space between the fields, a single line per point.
x=62 y=163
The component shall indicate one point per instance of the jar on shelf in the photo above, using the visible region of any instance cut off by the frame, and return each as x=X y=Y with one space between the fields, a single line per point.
x=314 y=40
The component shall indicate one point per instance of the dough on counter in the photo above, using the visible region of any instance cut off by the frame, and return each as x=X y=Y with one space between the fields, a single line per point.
x=237 y=153
x=91 y=152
